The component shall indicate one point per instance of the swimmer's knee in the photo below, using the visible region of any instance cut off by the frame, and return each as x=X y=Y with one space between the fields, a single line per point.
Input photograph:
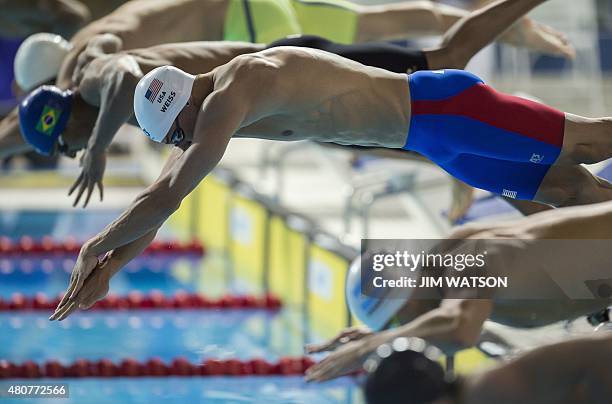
x=567 y=186
x=558 y=196
x=578 y=190
x=590 y=140
x=586 y=154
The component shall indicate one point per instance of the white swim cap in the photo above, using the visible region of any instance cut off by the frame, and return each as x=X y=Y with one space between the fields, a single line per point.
x=374 y=312
x=39 y=59
x=158 y=99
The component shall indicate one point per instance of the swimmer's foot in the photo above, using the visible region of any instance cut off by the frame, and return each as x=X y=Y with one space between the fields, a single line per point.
x=538 y=37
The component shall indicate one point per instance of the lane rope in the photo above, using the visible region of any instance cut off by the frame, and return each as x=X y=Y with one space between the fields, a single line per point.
x=81 y=368
x=49 y=246
x=44 y=265
x=153 y=300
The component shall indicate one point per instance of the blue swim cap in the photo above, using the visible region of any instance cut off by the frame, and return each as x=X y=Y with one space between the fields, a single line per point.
x=43 y=116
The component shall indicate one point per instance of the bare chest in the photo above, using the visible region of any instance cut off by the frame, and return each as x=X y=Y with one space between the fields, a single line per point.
x=359 y=117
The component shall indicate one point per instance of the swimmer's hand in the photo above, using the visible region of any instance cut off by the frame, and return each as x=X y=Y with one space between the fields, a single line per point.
x=348 y=358
x=83 y=267
x=93 y=165
x=347 y=335
x=94 y=288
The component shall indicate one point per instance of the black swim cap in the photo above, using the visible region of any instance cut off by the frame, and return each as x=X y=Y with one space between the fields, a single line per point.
x=405 y=372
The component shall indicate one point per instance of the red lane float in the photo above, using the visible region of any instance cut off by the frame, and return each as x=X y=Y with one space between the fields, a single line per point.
x=49 y=246
x=154 y=367
x=152 y=300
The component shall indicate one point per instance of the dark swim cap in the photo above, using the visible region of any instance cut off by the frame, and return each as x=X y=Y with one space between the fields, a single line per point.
x=405 y=371
x=43 y=116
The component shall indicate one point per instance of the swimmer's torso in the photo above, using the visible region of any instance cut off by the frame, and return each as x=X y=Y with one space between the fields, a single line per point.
x=338 y=101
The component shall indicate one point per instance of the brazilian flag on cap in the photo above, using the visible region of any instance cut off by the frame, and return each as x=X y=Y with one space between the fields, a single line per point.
x=48 y=119
x=43 y=116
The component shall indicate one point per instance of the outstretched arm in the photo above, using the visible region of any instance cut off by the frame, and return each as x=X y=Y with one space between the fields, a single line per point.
x=455 y=325
x=96 y=285
x=109 y=80
x=220 y=117
x=116 y=99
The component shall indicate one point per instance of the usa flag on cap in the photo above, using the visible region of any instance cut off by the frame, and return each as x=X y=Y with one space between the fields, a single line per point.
x=153 y=89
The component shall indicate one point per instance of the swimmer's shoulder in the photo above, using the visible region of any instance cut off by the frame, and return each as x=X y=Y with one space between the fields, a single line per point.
x=283 y=56
x=317 y=63
x=253 y=69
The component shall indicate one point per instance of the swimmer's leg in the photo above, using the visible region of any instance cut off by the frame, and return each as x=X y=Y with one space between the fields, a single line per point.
x=552 y=185
x=404 y=20
x=585 y=140
x=572 y=185
x=412 y=18
x=527 y=208
x=475 y=31
x=394 y=58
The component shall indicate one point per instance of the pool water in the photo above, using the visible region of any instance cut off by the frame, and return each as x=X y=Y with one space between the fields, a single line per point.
x=142 y=334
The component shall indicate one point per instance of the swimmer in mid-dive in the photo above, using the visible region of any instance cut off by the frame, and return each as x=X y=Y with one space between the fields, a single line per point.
x=107 y=81
x=573 y=371
x=290 y=93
